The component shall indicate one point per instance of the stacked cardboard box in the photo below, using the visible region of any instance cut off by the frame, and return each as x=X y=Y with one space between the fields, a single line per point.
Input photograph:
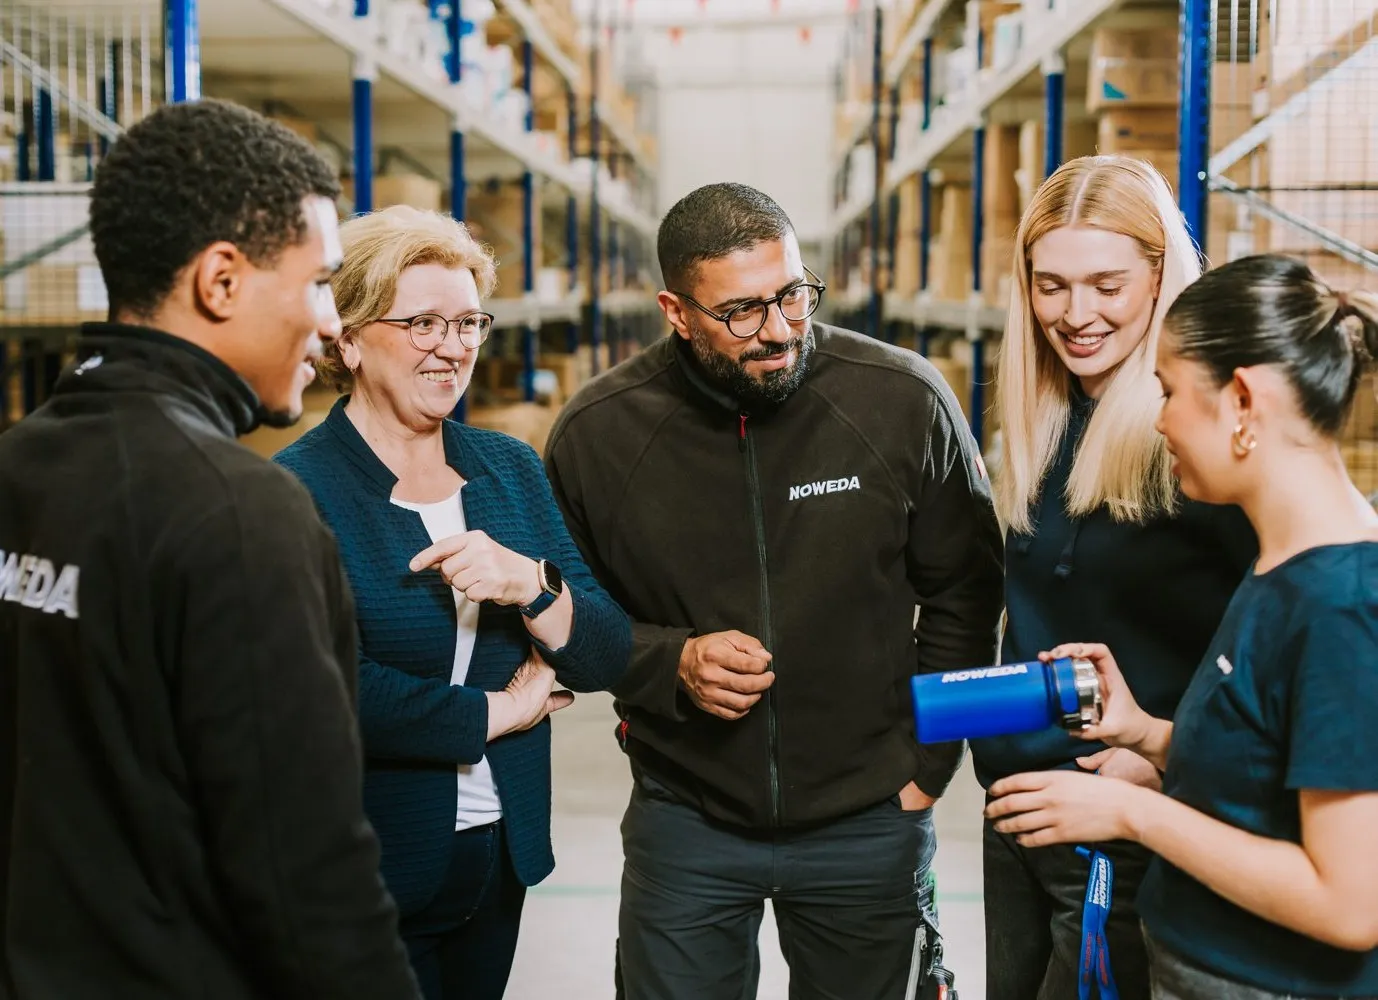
x=1135 y=68
x=494 y=215
x=1000 y=208
x=906 y=262
x=405 y=189
x=949 y=258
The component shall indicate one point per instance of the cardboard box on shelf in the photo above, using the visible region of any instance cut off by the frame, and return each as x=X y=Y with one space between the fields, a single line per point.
x=1032 y=158
x=906 y=265
x=1165 y=161
x=1137 y=128
x=1000 y=200
x=997 y=270
x=1363 y=418
x=1079 y=139
x=1133 y=68
x=406 y=189
x=949 y=269
x=1361 y=459
x=494 y=215
x=301 y=126
x=949 y=257
x=910 y=214
x=984 y=14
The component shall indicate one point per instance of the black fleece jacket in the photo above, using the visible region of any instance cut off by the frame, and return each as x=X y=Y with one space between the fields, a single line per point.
x=180 y=781
x=816 y=527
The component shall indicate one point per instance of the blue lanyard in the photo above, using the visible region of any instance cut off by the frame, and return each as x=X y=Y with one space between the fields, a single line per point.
x=1095 y=913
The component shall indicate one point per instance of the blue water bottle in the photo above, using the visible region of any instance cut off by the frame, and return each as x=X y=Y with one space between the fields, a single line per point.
x=1005 y=699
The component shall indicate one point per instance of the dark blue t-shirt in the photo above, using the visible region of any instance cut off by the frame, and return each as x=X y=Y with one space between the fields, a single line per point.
x=1284 y=699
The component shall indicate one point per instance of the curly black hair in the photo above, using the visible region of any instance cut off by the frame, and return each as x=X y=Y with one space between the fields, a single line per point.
x=711 y=222
x=189 y=175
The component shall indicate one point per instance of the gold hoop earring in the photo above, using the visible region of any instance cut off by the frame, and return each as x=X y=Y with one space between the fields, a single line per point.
x=1238 y=443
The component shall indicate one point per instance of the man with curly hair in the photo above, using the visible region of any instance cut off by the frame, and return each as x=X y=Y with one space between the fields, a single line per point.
x=180 y=781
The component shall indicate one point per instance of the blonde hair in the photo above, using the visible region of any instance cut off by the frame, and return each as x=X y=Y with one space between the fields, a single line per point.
x=1121 y=461
x=378 y=247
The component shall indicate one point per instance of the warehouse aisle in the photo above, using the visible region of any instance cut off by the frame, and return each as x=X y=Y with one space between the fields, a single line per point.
x=570 y=923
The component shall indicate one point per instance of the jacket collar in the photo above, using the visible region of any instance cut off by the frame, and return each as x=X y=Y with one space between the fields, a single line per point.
x=460 y=454
x=122 y=357
x=699 y=380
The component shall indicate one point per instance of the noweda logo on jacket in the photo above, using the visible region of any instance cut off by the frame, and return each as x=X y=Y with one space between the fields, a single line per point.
x=821 y=486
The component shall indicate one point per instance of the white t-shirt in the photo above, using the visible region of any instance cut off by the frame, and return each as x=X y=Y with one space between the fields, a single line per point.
x=478 y=795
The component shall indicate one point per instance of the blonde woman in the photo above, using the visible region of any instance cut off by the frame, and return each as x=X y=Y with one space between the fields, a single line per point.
x=1099 y=543
x=472 y=599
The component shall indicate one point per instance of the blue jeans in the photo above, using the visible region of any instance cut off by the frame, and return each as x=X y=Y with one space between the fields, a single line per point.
x=462 y=941
x=845 y=896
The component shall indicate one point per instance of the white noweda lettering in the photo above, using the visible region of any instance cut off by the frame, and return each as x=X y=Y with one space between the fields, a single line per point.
x=35 y=582
x=819 y=487
x=978 y=673
x=40 y=584
x=1099 y=896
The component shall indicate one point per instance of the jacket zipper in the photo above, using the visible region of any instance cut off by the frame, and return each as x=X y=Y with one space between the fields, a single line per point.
x=747 y=446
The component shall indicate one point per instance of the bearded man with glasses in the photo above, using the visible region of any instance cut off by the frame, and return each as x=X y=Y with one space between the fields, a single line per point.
x=771 y=499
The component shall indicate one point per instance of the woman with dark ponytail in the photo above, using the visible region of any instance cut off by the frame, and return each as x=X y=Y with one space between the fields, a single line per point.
x=1265 y=881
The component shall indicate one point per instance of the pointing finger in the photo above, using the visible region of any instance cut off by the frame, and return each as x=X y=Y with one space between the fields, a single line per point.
x=439 y=551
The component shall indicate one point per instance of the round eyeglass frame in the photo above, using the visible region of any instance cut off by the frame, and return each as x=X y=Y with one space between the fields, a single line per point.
x=456 y=323
x=817 y=284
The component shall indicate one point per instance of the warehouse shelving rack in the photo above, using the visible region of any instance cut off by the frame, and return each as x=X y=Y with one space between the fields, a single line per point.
x=322 y=58
x=1034 y=84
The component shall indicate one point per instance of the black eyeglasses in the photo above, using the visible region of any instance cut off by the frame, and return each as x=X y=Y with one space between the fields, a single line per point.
x=429 y=330
x=797 y=303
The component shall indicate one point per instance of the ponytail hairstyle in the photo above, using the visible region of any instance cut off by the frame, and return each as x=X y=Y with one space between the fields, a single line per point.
x=1268 y=309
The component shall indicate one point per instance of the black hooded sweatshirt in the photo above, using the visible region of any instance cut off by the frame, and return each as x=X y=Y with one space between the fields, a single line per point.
x=180 y=780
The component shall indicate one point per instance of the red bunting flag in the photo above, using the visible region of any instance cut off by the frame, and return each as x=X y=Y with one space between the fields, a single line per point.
x=676 y=33
x=775 y=6
x=805 y=34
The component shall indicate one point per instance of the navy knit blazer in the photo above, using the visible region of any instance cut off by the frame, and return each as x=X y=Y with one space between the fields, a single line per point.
x=416 y=726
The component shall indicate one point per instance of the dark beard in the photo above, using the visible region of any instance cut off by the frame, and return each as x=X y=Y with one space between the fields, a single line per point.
x=770 y=389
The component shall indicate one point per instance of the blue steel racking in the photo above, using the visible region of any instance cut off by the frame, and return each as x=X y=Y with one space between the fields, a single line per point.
x=1045 y=53
x=182 y=59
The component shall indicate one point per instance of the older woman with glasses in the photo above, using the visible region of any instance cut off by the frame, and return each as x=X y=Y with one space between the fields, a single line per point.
x=472 y=600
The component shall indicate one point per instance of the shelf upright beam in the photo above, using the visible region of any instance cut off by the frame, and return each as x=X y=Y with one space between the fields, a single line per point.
x=978 y=225
x=925 y=187
x=182 y=37
x=595 y=219
x=365 y=72
x=529 y=330
x=614 y=248
x=892 y=228
x=459 y=189
x=1197 y=42
x=454 y=67
x=46 y=132
x=1055 y=99
x=877 y=79
x=572 y=219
